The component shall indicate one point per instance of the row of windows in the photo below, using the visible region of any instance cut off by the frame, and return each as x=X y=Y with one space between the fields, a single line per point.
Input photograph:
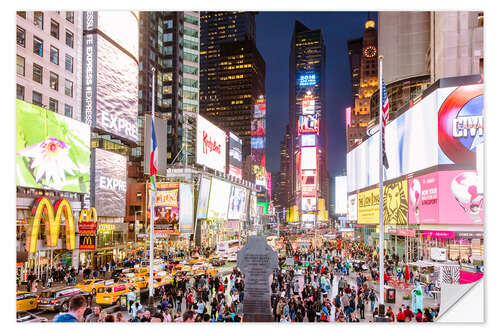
x=37 y=100
x=54 y=27
x=70 y=17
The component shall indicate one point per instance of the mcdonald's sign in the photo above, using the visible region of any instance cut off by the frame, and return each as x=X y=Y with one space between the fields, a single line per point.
x=87 y=242
x=43 y=211
x=88 y=221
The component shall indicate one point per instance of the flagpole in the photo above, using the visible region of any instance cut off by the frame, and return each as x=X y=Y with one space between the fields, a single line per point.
x=381 y=194
x=152 y=205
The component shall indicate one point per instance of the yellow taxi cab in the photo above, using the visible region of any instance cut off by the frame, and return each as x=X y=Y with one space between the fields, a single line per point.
x=162 y=281
x=141 y=271
x=26 y=301
x=90 y=285
x=110 y=294
x=138 y=281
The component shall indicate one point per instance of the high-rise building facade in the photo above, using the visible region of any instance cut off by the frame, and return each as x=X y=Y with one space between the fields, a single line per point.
x=368 y=83
x=232 y=71
x=308 y=125
x=284 y=174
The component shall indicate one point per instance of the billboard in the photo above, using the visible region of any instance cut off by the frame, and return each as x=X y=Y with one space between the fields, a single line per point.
x=308 y=217
x=210 y=145
x=218 y=203
x=396 y=203
x=307 y=79
x=445 y=127
x=352 y=207
x=258 y=127
x=308 y=204
x=160 y=128
x=308 y=105
x=368 y=207
x=308 y=140
x=446 y=197
x=52 y=151
x=341 y=195
x=260 y=175
x=167 y=213
x=109 y=182
x=308 y=158
x=257 y=143
x=203 y=198
x=253 y=205
x=235 y=157
x=309 y=181
x=120 y=33
x=186 y=211
x=237 y=203
x=308 y=124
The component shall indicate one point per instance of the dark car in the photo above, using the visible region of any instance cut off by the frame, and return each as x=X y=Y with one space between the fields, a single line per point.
x=58 y=299
x=117 y=273
x=27 y=317
x=217 y=262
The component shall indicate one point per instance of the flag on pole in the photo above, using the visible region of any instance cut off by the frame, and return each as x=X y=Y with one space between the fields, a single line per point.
x=385 y=119
x=153 y=160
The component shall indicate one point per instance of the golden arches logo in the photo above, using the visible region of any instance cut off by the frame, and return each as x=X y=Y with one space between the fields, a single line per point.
x=90 y=215
x=44 y=208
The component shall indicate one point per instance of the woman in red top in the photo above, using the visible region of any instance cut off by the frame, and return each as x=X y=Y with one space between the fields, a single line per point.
x=401 y=316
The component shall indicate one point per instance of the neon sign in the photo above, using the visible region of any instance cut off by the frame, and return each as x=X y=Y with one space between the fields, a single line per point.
x=307 y=80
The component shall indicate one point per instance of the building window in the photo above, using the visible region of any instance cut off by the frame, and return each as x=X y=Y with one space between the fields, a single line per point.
x=39 y=20
x=54 y=81
x=69 y=63
x=54 y=55
x=54 y=29
x=37 y=46
x=68 y=110
x=21 y=37
x=37 y=73
x=68 y=88
x=53 y=104
x=20 y=92
x=37 y=98
x=70 y=16
x=69 y=38
x=22 y=14
x=20 y=65
x=167 y=37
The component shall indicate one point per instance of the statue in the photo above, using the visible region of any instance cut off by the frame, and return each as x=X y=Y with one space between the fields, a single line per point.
x=417 y=298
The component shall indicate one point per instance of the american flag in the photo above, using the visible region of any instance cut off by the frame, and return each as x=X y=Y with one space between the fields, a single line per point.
x=385 y=119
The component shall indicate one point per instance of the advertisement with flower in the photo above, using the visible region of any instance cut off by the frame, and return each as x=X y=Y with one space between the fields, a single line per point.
x=52 y=151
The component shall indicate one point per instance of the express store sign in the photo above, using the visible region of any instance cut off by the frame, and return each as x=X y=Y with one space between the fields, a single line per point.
x=210 y=145
x=460 y=123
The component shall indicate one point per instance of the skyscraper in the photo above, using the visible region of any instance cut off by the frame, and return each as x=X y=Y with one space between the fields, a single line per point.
x=307 y=120
x=232 y=71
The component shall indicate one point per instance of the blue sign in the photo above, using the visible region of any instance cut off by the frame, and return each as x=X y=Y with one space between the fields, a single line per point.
x=307 y=80
x=284 y=213
x=257 y=143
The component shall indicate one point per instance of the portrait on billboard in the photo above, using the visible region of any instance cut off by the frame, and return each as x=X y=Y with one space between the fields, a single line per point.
x=258 y=127
x=396 y=203
x=309 y=204
x=237 y=203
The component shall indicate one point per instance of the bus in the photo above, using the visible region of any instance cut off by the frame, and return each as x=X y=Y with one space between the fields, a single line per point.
x=227 y=248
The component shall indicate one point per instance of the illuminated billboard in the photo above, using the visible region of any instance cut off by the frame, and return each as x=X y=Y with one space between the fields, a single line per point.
x=308 y=124
x=52 y=151
x=307 y=80
x=203 y=195
x=368 y=207
x=186 y=217
x=308 y=217
x=237 y=203
x=352 y=207
x=258 y=143
x=308 y=204
x=260 y=175
x=396 y=203
x=218 y=203
x=235 y=159
x=308 y=140
x=258 y=127
x=308 y=158
x=341 y=195
x=308 y=182
x=210 y=145
x=308 y=105
x=108 y=182
x=445 y=127
x=167 y=208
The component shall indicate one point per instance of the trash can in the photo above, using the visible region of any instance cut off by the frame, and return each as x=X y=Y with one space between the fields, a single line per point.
x=390 y=295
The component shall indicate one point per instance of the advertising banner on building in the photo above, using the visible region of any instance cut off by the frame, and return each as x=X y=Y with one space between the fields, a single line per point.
x=308 y=140
x=308 y=105
x=237 y=203
x=218 y=203
x=308 y=158
x=309 y=181
x=307 y=79
x=186 y=210
x=352 y=207
x=308 y=204
x=203 y=198
x=210 y=145
x=341 y=195
x=52 y=151
x=109 y=182
x=87 y=242
x=258 y=142
x=423 y=199
x=260 y=175
x=161 y=126
x=235 y=156
x=396 y=203
x=368 y=207
x=308 y=124
x=253 y=205
x=121 y=33
x=167 y=208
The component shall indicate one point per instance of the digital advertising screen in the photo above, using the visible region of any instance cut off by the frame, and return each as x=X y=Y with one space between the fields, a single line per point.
x=210 y=145
x=258 y=143
x=308 y=124
x=258 y=127
x=237 y=203
x=109 y=182
x=423 y=199
x=341 y=195
x=306 y=80
x=253 y=205
x=368 y=207
x=308 y=204
x=186 y=217
x=308 y=105
x=120 y=26
x=167 y=208
x=352 y=207
x=218 y=203
x=308 y=217
x=259 y=109
x=235 y=158
x=203 y=198
x=396 y=203
x=308 y=140
x=308 y=158
x=52 y=151
x=309 y=181
x=260 y=175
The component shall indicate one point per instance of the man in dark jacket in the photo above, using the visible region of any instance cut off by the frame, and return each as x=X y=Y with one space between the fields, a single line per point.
x=77 y=306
